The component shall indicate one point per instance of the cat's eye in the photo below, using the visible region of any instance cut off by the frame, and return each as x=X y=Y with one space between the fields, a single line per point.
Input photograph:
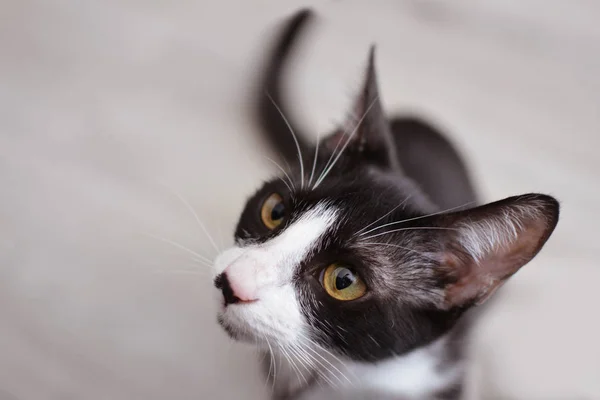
x=342 y=283
x=272 y=212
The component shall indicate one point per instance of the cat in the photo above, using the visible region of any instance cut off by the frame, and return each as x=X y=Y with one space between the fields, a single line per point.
x=356 y=271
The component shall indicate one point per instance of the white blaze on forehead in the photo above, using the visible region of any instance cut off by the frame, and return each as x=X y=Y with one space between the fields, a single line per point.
x=297 y=240
x=287 y=249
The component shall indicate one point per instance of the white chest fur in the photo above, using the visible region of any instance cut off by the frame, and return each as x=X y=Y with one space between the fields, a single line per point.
x=413 y=376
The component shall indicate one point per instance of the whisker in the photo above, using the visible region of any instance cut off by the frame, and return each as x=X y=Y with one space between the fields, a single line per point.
x=286 y=175
x=323 y=358
x=410 y=229
x=201 y=262
x=273 y=363
x=179 y=246
x=182 y=272
x=290 y=359
x=262 y=360
x=197 y=261
x=324 y=174
x=416 y=218
x=269 y=376
x=337 y=145
x=388 y=213
x=314 y=161
x=191 y=209
x=323 y=375
x=294 y=136
x=302 y=359
x=404 y=248
x=310 y=360
x=331 y=156
x=287 y=164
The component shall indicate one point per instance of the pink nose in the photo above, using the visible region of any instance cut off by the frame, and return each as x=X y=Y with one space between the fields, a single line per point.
x=233 y=290
x=242 y=290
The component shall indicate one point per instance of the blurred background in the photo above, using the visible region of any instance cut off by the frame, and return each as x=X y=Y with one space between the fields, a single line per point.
x=111 y=110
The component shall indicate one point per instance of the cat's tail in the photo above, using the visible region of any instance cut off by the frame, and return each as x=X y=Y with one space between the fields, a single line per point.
x=273 y=117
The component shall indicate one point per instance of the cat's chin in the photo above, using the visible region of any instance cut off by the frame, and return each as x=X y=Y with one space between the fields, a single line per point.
x=242 y=332
x=239 y=332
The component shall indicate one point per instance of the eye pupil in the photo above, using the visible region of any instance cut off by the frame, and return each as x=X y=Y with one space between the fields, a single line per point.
x=345 y=278
x=278 y=212
x=342 y=283
x=272 y=211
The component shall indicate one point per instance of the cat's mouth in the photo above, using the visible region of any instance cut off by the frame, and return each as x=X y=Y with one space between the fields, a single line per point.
x=269 y=313
x=260 y=322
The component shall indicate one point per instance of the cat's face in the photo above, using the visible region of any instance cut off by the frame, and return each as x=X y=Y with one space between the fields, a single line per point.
x=338 y=265
x=312 y=265
x=359 y=260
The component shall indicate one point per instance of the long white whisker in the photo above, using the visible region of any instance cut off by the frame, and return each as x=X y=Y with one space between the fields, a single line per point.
x=416 y=218
x=286 y=175
x=290 y=359
x=323 y=358
x=197 y=260
x=324 y=175
x=331 y=156
x=323 y=375
x=208 y=235
x=409 y=229
x=310 y=361
x=294 y=136
x=302 y=359
x=287 y=164
x=182 y=272
x=201 y=262
x=269 y=374
x=274 y=363
x=314 y=161
x=262 y=359
x=179 y=246
x=383 y=216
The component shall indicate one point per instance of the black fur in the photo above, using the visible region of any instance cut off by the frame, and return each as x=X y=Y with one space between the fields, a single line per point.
x=430 y=159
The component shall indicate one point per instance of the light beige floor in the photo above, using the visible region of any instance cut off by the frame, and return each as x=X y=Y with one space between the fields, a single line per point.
x=108 y=108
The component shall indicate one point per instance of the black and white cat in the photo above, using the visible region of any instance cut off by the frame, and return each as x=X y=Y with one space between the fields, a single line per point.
x=354 y=270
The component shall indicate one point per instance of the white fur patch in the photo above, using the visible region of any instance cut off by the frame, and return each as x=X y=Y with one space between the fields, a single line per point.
x=264 y=272
x=412 y=376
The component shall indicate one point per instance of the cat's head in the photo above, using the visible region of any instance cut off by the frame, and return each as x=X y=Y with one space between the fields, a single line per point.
x=348 y=252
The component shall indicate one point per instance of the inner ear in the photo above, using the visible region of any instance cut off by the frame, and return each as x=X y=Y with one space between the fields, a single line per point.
x=366 y=136
x=486 y=245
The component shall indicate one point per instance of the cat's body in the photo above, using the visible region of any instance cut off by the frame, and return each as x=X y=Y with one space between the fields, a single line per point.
x=354 y=271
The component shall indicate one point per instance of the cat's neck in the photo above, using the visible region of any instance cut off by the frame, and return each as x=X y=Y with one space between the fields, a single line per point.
x=433 y=370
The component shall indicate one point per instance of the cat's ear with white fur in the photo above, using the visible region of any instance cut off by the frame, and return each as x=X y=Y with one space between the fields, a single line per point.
x=366 y=135
x=484 y=246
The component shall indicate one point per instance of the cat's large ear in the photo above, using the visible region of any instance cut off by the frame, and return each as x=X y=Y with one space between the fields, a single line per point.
x=367 y=135
x=484 y=246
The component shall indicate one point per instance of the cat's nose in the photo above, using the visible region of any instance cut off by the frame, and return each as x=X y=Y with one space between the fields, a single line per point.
x=230 y=295
x=222 y=282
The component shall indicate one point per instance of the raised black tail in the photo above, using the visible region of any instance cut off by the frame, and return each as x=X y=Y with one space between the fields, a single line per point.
x=270 y=111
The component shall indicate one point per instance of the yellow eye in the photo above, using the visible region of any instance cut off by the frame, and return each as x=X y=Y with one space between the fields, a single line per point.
x=272 y=211
x=342 y=283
